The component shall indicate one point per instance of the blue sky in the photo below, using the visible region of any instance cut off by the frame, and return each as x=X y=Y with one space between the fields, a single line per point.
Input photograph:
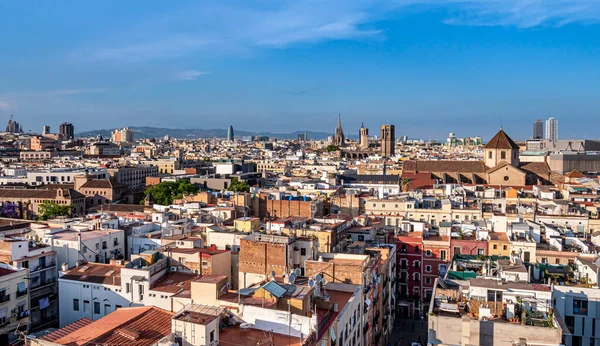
x=428 y=66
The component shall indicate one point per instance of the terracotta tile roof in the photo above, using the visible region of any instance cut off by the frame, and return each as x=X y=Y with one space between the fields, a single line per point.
x=37 y=193
x=97 y=184
x=575 y=174
x=139 y=326
x=540 y=169
x=501 y=141
x=66 y=330
x=6 y=271
x=444 y=166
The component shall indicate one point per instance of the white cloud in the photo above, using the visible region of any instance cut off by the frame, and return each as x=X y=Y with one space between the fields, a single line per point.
x=4 y=104
x=213 y=26
x=190 y=74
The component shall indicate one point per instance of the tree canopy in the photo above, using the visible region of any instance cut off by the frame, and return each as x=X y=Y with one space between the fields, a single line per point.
x=238 y=186
x=50 y=210
x=332 y=147
x=167 y=191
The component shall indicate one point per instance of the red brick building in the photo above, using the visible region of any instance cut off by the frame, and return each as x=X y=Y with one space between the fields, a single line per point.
x=436 y=255
x=408 y=264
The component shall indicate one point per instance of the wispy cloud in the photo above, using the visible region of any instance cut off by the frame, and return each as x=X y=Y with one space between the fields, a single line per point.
x=213 y=26
x=4 y=104
x=190 y=74
x=521 y=13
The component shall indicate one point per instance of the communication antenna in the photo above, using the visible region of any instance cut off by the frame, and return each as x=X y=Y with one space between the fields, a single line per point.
x=292 y=278
x=297 y=271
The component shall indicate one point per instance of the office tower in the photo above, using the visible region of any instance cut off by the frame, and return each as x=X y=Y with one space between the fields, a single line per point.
x=230 y=135
x=552 y=129
x=363 y=137
x=66 y=131
x=538 y=129
x=388 y=140
x=46 y=130
x=338 y=136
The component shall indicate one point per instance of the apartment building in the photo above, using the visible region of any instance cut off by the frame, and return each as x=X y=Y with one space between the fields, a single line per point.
x=95 y=290
x=40 y=259
x=14 y=302
x=579 y=308
x=85 y=245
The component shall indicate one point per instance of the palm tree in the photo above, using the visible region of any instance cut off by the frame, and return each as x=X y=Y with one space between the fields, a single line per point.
x=405 y=184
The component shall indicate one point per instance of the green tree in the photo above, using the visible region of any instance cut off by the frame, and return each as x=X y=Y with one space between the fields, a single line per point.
x=51 y=210
x=238 y=186
x=167 y=191
x=332 y=147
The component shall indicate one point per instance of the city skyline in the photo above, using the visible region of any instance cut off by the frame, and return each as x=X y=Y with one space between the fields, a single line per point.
x=474 y=63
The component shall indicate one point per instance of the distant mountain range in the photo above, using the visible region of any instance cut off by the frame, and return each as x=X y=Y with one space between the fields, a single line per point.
x=158 y=132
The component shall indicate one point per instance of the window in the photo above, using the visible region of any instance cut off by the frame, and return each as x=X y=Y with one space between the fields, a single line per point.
x=580 y=306
x=86 y=305
x=127 y=287
x=443 y=255
x=428 y=280
x=503 y=155
x=416 y=248
x=75 y=304
x=416 y=277
x=416 y=264
x=504 y=247
x=495 y=246
x=302 y=252
x=97 y=308
x=182 y=260
x=489 y=154
x=212 y=335
x=428 y=268
x=457 y=250
x=481 y=252
x=361 y=238
x=428 y=253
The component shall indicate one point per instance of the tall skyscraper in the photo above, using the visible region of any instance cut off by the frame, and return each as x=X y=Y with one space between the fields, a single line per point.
x=538 y=129
x=552 y=129
x=66 y=131
x=363 y=137
x=338 y=136
x=388 y=140
x=230 y=135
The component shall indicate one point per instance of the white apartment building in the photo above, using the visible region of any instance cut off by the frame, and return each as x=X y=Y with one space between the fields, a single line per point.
x=14 y=301
x=86 y=245
x=40 y=260
x=95 y=290
x=579 y=308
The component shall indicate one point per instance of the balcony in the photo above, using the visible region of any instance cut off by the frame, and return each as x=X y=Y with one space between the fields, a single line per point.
x=42 y=267
x=22 y=315
x=39 y=285
x=21 y=293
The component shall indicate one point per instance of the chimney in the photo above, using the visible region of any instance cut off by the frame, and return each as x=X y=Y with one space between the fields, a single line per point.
x=65 y=267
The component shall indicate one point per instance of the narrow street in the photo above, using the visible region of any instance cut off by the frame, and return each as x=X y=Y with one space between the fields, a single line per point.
x=407 y=331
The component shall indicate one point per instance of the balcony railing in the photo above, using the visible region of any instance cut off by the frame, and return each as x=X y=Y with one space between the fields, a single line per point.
x=43 y=267
x=42 y=284
x=21 y=293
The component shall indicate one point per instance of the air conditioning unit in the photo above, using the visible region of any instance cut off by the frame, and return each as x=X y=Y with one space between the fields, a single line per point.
x=173 y=269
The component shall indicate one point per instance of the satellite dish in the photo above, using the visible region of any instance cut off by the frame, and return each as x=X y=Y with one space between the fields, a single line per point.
x=318 y=278
x=324 y=282
x=273 y=274
x=311 y=283
x=297 y=271
x=292 y=278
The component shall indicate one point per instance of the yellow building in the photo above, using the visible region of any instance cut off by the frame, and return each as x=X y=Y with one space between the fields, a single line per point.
x=498 y=245
x=247 y=224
